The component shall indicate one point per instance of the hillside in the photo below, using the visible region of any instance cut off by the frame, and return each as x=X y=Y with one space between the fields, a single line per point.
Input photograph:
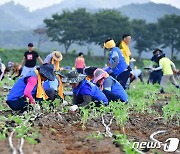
x=17 y=17
x=149 y=11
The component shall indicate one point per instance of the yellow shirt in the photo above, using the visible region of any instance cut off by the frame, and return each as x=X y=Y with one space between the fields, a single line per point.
x=125 y=51
x=166 y=65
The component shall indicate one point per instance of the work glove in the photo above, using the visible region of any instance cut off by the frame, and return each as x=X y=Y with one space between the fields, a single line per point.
x=65 y=103
x=37 y=108
x=73 y=108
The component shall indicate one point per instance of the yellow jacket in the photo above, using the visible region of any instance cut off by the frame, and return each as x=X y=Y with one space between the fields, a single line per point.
x=125 y=51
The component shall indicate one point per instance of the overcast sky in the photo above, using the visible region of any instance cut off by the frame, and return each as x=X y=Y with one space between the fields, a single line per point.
x=35 y=4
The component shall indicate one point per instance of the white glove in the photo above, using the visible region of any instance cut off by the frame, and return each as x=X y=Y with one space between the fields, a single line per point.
x=37 y=107
x=73 y=108
x=65 y=103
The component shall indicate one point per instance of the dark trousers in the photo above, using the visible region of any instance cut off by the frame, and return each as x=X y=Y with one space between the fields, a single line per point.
x=111 y=96
x=18 y=105
x=80 y=70
x=156 y=77
x=123 y=77
x=21 y=103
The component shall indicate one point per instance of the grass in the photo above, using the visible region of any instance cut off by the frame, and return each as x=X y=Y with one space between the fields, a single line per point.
x=16 y=55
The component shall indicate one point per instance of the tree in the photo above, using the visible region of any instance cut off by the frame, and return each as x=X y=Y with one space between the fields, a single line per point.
x=145 y=36
x=169 y=27
x=40 y=32
x=70 y=27
x=110 y=24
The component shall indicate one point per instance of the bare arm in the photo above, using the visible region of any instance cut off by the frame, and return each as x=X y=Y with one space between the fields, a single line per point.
x=22 y=63
x=40 y=60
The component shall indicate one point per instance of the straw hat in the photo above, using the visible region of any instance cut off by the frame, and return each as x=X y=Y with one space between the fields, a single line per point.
x=57 y=55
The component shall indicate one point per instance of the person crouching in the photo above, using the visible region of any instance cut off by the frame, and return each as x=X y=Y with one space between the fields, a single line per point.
x=30 y=88
x=110 y=86
x=84 y=91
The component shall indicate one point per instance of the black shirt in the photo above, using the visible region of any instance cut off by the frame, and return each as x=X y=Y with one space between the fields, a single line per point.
x=30 y=58
x=156 y=60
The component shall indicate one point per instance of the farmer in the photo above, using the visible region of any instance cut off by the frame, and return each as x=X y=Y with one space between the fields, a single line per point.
x=110 y=87
x=166 y=65
x=135 y=74
x=117 y=63
x=155 y=76
x=54 y=58
x=2 y=70
x=124 y=46
x=84 y=91
x=56 y=88
x=89 y=71
x=30 y=88
x=17 y=70
x=80 y=63
x=29 y=59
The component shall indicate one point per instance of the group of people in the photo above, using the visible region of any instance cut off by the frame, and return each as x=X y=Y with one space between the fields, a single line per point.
x=100 y=85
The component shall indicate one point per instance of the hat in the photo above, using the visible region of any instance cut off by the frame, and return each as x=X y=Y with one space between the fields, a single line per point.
x=109 y=44
x=73 y=77
x=57 y=55
x=89 y=70
x=47 y=70
x=99 y=74
x=60 y=73
x=132 y=60
x=30 y=45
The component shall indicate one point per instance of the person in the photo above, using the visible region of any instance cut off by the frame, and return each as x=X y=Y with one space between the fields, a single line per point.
x=17 y=70
x=167 y=67
x=155 y=76
x=84 y=91
x=29 y=59
x=54 y=58
x=135 y=74
x=2 y=70
x=30 y=88
x=124 y=46
x=80 y=63
x=89 y=71
x=117 y=63
x=110 y=86
x=56 y=87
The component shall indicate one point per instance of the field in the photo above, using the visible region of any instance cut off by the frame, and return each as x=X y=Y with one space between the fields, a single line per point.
x=112 y=129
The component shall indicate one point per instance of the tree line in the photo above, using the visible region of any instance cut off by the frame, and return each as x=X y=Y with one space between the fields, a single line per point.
x=84 y=28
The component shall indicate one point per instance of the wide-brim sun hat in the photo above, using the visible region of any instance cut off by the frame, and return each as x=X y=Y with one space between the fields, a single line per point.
x=57 y=55
x=99 y=74
x=47 y=70
x=73 y=77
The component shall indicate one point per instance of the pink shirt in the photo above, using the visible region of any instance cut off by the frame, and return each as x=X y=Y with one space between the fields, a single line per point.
x=79 y=62
x=31 y=83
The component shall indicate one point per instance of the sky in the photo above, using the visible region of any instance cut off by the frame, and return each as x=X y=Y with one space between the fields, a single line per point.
x=37 y=4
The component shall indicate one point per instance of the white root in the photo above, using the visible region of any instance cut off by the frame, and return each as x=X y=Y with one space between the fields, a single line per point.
x=21 y=146
x=108 y=132
x=11 y=144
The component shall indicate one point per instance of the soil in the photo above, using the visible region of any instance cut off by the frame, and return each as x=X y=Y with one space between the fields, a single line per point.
x=63 y=133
